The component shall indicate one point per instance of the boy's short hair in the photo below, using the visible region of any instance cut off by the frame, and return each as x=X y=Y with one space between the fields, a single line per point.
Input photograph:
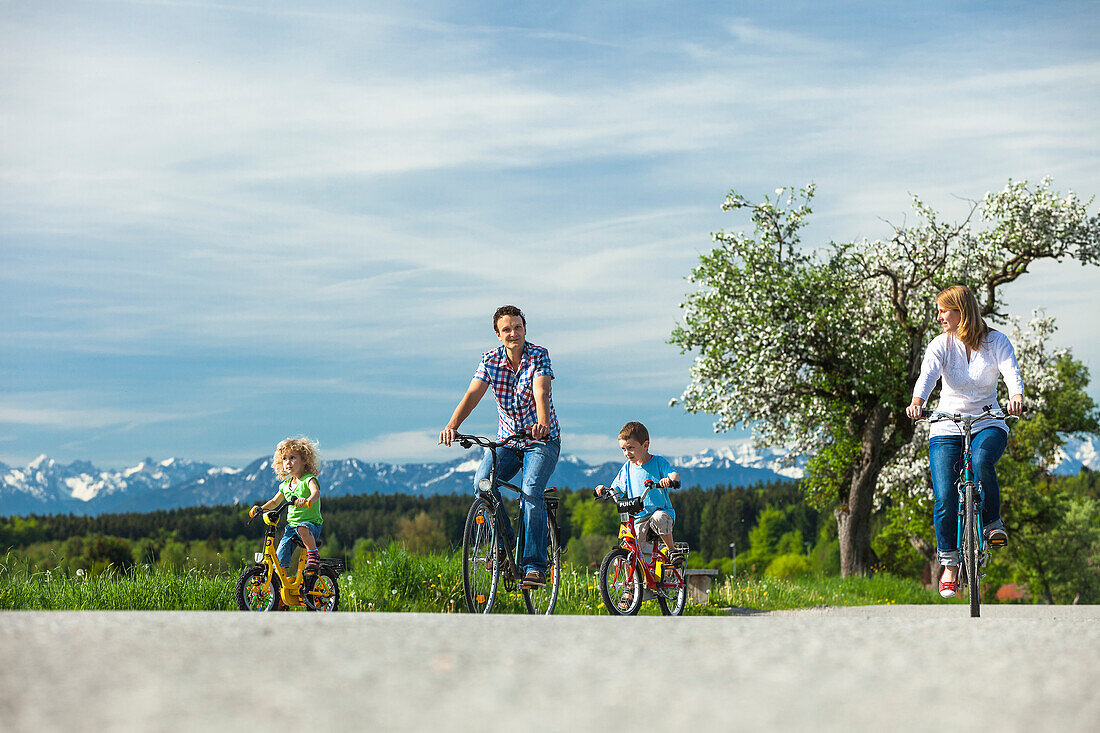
x=635 y=430
x=507 y=310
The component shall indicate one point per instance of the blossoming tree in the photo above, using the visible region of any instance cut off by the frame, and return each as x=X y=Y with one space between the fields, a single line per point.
x=817 y=349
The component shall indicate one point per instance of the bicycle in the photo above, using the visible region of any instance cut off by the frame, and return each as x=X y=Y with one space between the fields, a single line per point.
x=485 y=561
x=267 y=586
x=624 y=569
x=969 y=533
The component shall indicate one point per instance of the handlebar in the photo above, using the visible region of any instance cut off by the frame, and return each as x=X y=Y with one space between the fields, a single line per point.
x=933 y=416
x=628 y=504
x=271 y=516
x=468 y=441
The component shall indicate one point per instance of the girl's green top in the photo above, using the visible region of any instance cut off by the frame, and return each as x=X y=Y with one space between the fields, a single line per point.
x=298 y=488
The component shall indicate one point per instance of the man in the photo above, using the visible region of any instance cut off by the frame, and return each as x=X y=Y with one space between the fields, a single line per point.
x=519 y=373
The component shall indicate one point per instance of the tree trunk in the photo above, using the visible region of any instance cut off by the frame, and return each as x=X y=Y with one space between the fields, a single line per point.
x=853 y=518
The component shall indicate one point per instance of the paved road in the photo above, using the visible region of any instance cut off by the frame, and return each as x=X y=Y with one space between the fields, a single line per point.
x=869 y=668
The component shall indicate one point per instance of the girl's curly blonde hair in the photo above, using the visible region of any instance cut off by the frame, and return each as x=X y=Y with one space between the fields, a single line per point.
x=304 y=448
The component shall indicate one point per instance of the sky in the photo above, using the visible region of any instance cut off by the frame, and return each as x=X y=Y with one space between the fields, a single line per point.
x=226 y=223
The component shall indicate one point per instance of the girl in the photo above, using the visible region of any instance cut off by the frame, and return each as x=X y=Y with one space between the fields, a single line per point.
x=297 y=463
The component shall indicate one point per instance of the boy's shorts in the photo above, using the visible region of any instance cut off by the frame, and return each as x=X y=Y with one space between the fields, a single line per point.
x=659 y=521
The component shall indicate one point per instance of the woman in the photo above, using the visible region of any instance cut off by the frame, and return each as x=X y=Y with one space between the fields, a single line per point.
x=519 y=373
x=967 y=356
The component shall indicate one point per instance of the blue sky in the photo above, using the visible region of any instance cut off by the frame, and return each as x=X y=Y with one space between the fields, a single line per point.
x=224 y=223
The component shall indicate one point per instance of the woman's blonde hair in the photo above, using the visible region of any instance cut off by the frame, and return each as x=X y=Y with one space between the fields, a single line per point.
x=304 y=448
x=972 y=329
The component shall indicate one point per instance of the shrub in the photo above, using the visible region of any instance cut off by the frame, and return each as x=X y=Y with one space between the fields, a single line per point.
x=789 y=566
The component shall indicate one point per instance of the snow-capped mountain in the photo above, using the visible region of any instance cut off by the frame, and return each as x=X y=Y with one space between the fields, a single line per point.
x=47 y=487
x=1078 y=452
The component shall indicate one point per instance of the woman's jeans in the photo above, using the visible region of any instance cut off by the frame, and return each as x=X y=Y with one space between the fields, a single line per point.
x=945 y=459
x=538 y=460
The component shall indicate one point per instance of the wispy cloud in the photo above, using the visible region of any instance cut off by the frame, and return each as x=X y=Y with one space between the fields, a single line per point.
x=355 y=208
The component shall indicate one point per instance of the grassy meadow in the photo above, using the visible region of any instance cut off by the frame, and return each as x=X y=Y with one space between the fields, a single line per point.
x=394 y=579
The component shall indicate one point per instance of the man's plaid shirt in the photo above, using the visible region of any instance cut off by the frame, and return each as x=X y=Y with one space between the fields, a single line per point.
x=514 y=389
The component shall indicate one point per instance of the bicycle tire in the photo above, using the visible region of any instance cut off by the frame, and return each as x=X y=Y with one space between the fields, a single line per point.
x=326 y=583
x=250 y=593
x=674 y=605
x=619 y=571
x=543 y=600
x=480 y=571
x=970 y=553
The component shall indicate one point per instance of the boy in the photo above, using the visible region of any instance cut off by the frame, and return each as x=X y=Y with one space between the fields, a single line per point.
x=657 y=512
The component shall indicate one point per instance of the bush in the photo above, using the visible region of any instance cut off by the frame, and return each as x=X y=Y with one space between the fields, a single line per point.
x=789 y=566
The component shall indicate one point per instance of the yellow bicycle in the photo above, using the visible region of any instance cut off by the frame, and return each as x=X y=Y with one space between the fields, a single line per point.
x=267 y=586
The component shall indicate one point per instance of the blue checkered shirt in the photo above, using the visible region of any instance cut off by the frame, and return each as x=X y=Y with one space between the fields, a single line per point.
x=514 y=389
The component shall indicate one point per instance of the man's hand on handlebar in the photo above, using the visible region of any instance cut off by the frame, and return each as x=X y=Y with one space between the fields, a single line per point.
x=447 y=435
x=1015 y=407
x=600 y=489
x=538 y=431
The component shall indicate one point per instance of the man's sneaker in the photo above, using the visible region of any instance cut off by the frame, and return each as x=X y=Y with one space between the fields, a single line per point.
x=676 y=558
x=997 y=537
x=533 y=579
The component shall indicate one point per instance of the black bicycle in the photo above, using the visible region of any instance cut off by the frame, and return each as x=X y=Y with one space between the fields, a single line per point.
x=970 y=537
x=485 y=560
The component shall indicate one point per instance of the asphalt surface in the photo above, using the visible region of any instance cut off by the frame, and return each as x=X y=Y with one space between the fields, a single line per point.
x=1018 y=668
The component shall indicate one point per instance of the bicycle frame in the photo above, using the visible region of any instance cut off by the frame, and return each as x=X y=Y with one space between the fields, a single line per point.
x=966 y=479
x=485 y=545
x=495 y=501
x=653 y=568
x=290 y=585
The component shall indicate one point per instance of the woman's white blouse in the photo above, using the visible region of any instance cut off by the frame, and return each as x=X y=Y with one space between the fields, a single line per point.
x=968 y=387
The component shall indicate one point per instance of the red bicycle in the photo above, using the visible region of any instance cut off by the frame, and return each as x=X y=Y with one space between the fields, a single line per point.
x=629 y=575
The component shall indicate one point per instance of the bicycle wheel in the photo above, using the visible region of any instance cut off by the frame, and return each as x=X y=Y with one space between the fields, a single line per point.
x=322 y=591
x=673 y=591
x=250 y=592
x=480 y=571
x=621 y=583
x=970 y=552
x=542 y=600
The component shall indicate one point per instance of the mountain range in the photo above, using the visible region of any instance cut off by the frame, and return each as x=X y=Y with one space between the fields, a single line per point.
x=45 y=486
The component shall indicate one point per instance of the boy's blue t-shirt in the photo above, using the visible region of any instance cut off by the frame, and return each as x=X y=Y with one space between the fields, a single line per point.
x=631 y=481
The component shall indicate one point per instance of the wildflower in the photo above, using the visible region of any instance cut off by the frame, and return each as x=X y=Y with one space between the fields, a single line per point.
x=393 y=592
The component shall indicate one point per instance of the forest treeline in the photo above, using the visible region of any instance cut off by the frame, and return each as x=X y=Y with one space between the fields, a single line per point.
x=708 y=519
x=1054 y=524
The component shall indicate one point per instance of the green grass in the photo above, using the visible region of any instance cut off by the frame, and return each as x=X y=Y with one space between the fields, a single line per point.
x=811 y=591
x=138 y=590
x=397 y=580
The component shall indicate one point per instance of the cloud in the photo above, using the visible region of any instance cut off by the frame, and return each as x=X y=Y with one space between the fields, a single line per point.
x=406 y=446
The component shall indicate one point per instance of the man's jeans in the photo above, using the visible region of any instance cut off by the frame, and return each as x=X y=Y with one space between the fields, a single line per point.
x=945 y=459
x=538 y=460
